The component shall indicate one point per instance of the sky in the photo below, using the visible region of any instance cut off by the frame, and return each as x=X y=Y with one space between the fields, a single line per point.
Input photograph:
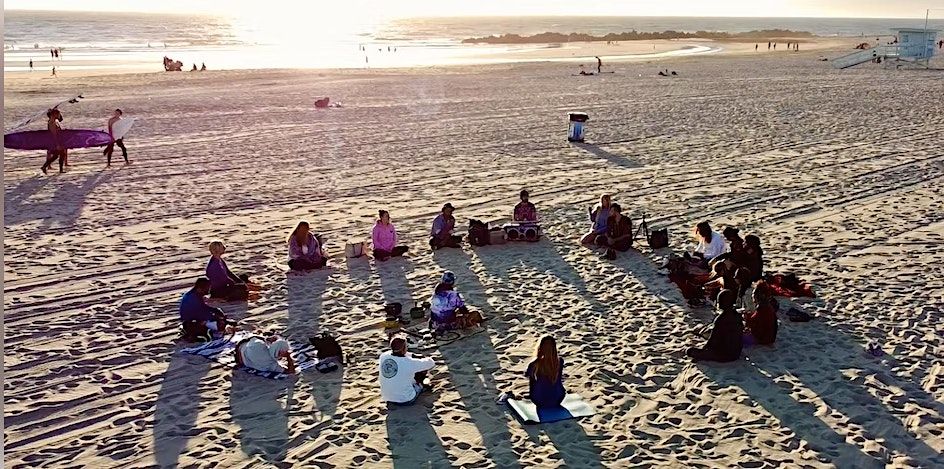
x=411 y=8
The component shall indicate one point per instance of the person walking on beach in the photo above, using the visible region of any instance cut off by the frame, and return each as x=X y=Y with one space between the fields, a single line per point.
x=31 y=65
x=54 y=71
x=768 y=45
x=755 y=47
x=599 y=64
x=52 y=54
x=110 y=148
x=55 y=150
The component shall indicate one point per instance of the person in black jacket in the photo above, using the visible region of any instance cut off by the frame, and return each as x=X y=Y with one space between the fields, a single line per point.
x=726 y=340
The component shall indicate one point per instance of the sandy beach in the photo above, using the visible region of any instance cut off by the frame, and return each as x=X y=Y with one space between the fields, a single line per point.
x=838 y=172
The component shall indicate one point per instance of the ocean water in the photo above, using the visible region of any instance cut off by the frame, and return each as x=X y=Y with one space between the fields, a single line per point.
x=139 y=41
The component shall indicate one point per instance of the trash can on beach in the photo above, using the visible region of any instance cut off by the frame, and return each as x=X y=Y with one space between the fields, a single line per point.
x=578 y=124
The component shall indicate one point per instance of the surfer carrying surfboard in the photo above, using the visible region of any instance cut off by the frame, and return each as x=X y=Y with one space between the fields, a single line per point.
x=119 y=141
x=56 y=150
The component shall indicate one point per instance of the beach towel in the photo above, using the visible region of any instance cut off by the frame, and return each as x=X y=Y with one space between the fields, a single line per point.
x=788 y=285
x=222 y=351
x=573 y=406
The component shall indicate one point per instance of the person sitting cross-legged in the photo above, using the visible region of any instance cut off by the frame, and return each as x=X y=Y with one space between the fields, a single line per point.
x=223 y=282
x=546 y=375
x=402 y=377
x=619 y=233
x=199 y=319
x=443 y=226
x=384 y=238
x=305 y=251
x=726 y=339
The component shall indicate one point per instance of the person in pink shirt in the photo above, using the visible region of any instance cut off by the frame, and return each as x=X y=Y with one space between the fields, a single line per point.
x=384 y=238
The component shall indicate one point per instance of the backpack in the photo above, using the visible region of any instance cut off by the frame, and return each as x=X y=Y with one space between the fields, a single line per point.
x=478 y=233
x=327 y=346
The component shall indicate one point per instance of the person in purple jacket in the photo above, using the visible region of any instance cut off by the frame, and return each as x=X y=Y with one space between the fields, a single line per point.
x=305 y=251
x=223 y=282
x=385 y=239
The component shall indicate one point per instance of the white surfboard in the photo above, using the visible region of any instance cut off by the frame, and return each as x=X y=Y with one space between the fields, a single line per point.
x=121 y=127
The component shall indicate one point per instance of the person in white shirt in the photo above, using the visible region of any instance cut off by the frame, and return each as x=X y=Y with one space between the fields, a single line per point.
x=401 y=375
x=710 y=243
x=264 y=355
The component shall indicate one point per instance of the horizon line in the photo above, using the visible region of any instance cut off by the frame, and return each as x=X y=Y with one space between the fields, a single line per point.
x=208 y=13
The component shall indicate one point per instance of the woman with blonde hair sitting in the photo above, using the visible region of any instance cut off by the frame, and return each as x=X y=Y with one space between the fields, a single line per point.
x=305 y=251
x=223 y=282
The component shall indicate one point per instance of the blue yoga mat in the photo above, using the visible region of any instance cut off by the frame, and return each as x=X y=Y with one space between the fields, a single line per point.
x=572 y=407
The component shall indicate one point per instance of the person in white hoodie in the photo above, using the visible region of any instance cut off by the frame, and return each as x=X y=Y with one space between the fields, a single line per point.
x=402 y=376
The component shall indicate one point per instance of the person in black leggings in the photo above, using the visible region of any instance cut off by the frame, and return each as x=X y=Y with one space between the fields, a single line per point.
x=120 y=142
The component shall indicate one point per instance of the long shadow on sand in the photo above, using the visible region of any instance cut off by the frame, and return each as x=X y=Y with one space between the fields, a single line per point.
x=413 y=442
x=177 y=407
x=62 y=209
x=834 y=351
x=472 y=364
x=262 y=419
x=611 y=158
x=305 y=292
x=500 y=260
x=394 y=282
x=574 y=447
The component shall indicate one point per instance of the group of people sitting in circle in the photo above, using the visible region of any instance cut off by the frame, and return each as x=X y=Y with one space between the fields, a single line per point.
x=729 y=269
x=722 y=266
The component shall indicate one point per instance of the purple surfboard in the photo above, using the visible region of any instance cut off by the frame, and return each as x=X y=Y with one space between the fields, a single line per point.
x=42 y=139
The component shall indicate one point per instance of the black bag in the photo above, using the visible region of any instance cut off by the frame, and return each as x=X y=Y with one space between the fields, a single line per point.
x=394 y=310
x=327 y=346
x=419 y=311
x=657 y=239
x=478 y=233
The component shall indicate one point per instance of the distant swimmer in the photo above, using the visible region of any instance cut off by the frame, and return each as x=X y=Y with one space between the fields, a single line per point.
x=599 y=64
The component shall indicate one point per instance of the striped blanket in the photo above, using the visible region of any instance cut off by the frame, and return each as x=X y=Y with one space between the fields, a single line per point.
x=223 y=351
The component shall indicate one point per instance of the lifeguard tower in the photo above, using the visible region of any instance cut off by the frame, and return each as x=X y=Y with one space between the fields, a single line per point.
x=912 y=46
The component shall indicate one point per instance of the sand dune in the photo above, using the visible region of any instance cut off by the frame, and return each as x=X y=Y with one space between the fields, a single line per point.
x=839 y=172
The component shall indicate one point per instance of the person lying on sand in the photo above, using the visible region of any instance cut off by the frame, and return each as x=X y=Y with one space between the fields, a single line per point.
x=619 y=233
x=384 y=237
x=599 y=216
x=726 y=340
x=402 y=377
x=546 y=375
x=223 y=282
x=200 y=319
x=264 y=354
x=525 y=211
x=305 y=251
x=760 y=324
x=443 y=226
